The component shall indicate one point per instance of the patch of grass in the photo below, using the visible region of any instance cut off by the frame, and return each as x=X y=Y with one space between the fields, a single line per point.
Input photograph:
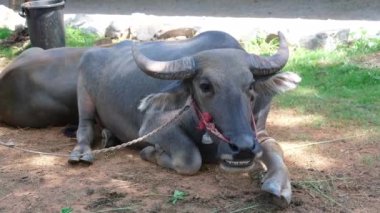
x=363 y=45
x=5 y=33
x=177 y=196
x=321 y=187
x=5 y=51
x=333 y=84
x=67 y=210
x=74 y=38
x=261 y=45
x=79 y=38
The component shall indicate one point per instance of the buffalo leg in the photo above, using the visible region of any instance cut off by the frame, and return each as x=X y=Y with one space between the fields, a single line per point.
x=276 y=181
x=85 y=134
x=177 y=152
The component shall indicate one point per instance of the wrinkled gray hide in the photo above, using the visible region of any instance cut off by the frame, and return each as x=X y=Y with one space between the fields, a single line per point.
x=134 y=90
x=38 y=89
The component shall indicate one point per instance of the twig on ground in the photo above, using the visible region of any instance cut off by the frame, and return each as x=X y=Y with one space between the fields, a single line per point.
x=323 y=142
x=329 y=198
x=115 y=210
x=318 y=181
x=245 y=208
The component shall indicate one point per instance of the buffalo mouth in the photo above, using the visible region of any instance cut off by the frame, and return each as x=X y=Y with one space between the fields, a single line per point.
x=237 y=165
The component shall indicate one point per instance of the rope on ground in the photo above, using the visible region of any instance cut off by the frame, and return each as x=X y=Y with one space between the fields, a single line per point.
x=12 y=145
x=323 y=142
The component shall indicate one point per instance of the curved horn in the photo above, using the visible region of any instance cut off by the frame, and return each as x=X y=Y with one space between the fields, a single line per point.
x=182 y=68
x=260 y=65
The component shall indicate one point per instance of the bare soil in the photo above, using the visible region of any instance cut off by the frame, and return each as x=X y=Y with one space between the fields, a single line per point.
x=341 y=176
x=338 y=176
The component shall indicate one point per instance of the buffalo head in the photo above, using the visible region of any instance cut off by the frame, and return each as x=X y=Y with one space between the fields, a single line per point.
x=224 y=83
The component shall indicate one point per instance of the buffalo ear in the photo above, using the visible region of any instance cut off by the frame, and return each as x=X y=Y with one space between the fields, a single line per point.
x=171 y=99
x=276 y=84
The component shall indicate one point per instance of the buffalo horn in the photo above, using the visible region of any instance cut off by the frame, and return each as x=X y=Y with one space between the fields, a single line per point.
x=168 y=70
x=260 y=65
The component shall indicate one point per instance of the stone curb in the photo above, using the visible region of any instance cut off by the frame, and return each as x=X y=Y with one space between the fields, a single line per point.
x=308 y=33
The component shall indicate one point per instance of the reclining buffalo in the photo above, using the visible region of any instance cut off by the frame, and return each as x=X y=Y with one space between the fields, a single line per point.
x=39 y=88
x=133 y=90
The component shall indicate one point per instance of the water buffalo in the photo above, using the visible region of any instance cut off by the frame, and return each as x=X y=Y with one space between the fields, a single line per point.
x=38 y=89
x=133 y=90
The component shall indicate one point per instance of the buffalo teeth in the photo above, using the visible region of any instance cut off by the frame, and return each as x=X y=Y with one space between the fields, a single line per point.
x=238 y=163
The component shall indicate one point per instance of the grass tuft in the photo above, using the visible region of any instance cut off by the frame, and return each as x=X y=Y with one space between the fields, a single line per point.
x=67 y=210
x=74 y=38
x=323 y=188
x=5 y=33
x=177 y=196
x=5 y=51
x=79 y=38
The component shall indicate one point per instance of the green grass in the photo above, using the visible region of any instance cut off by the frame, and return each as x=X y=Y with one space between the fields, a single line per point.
x=177 y=196
x=67 y=210
x=74 y=38
x=5 y=51
x=333 y=84
x=79 y=38
x=5 y=33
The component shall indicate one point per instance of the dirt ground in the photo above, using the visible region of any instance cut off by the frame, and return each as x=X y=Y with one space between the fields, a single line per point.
x=332 y=176
x=341 y=176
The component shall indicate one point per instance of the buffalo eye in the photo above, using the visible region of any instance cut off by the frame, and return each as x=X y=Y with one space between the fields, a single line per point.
x=205 y=87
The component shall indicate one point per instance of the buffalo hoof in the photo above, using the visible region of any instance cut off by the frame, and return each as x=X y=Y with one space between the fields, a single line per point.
x=108 y=140
x=149 y=154
x=81 y=154
x=70 y=131
x=278 y=185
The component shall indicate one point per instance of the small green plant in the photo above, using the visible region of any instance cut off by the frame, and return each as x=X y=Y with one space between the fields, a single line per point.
x=5 y=33
x=261 y=45
x=177 y=195
x=6 y=52
x=67 y=210
x=79 y=38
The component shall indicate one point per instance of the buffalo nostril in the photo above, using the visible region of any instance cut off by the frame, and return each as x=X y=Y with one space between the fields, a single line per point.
x=257 y=150
x=233 y=147
x=255 y=142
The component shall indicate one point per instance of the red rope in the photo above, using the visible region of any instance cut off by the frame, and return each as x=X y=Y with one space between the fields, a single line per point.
x=206 y=123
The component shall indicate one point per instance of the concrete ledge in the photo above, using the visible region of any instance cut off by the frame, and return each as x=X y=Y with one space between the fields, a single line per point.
x=298 y=31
